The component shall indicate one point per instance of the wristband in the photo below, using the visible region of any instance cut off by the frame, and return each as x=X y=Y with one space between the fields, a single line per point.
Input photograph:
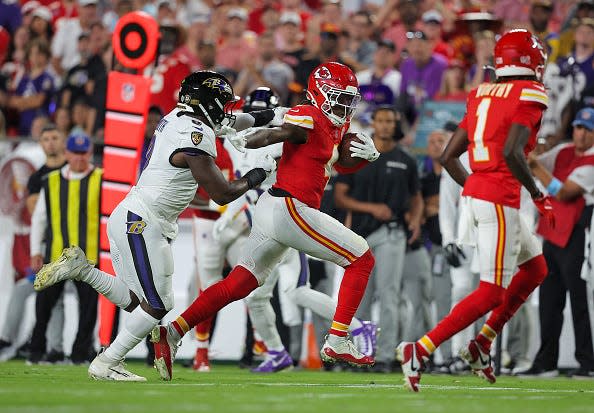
x=255 y=177
x=554 y=186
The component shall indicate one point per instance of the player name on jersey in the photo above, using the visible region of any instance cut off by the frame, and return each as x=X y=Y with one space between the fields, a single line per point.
x=500 y=90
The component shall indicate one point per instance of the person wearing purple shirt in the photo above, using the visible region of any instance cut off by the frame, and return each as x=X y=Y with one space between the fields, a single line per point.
x=34 y=91
x=421 y=71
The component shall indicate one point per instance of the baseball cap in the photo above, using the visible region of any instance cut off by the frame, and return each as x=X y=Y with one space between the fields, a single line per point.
x=43 y=13
x=29 y=7
x=432 y=16
x=78 y=143
x=84 y=3
x=388 y=44
x=237 y=13
x=290 y=17
x=585 y=118
x=547 y=4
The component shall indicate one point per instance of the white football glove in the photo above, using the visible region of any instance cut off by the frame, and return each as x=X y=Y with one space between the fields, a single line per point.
x=267 y=163
x=364 y=149
x=279 y=115
x=238 y=140
x=219 y=226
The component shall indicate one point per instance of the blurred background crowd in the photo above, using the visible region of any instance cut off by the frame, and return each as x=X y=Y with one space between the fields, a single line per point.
x=408 y=55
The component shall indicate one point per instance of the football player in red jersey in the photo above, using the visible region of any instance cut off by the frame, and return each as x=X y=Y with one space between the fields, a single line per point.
x=288 y=215
x=498 y=130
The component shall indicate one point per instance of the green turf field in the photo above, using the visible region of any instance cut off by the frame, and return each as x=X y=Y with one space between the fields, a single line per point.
x=229 y=389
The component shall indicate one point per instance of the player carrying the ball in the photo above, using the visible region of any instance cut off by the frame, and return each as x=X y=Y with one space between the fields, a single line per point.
x=288 y=215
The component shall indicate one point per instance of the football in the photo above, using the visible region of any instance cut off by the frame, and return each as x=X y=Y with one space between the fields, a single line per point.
x=344 y=153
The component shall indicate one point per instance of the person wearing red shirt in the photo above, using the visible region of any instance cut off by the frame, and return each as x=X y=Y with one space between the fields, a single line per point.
x=499 y=129
x=288 y=216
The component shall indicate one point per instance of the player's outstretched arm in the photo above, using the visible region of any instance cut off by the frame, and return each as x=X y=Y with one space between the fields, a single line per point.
x=449 y=159
x=210 y=177
x=513 y=152
x=269 y=136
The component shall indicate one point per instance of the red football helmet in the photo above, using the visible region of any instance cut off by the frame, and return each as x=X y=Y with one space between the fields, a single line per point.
x=519 y=53
x=333 y=88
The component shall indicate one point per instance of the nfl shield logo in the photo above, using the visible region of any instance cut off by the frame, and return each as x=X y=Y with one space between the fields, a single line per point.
x=128 y=91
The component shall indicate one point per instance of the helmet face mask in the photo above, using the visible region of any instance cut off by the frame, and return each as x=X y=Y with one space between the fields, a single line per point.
x=207 y=94
x=333 y=88
x=520 y=53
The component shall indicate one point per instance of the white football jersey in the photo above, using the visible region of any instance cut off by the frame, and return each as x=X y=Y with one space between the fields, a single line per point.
x=165 y=190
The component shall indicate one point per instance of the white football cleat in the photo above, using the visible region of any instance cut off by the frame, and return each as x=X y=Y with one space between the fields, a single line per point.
x=411 y=363
x=101 y=369
x=344 y=350
x=68 y=266
x=479 y=361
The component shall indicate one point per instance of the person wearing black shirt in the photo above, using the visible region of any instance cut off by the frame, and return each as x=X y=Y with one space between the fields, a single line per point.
x=385 y=203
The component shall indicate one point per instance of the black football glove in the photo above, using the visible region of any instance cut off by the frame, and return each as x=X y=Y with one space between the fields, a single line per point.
x=453 y=253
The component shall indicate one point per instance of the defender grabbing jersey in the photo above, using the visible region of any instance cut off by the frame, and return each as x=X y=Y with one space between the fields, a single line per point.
x=287 y=216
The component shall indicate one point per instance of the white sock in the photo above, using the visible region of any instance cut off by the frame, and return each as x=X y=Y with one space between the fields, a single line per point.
x=355 y=324
x=111 y=287
x=334 y=339
x=138 y=324
x=320 y=303
x=264 y=321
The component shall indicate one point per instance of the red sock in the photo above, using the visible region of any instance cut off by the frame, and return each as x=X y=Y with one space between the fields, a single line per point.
x=351 y=292
x=238 y=284
x=530 y=275
x=203 y=329
x=475 y=305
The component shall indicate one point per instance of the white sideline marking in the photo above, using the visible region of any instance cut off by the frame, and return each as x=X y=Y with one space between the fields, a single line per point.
x=379 y=386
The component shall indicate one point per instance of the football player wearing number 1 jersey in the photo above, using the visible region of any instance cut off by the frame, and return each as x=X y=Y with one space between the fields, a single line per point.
x=288 y=216
x=498 y=130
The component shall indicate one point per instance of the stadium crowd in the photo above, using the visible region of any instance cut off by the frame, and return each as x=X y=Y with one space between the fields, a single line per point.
x=55 y=56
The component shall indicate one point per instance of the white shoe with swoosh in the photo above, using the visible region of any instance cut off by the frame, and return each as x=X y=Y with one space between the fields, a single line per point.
x=412 y=364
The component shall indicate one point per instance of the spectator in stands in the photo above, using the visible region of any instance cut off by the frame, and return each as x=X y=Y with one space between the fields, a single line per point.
x=453 y=82
x=236 y=45
x=409 y=13
x=77 y=78
x=65 y=53
x=197 y=32
x=541 y=12
x=63 y=120
x=265 y=69
x=83 y=207
x=328 y=52
x=360 y=48
x=432 y=21
x=380 y=84
x=39 y=123
x=379 y=207
x=41 y=24
x=34 y=91
x=481 y=70
x=291 y=38
x=421 y=72
x=83 y=117
x=579 y=68
x=584 y=9
x=567 y=171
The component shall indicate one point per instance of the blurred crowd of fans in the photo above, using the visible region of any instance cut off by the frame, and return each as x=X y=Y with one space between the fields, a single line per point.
x=55 y=54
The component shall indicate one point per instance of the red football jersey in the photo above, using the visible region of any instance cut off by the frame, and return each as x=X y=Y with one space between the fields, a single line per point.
x=166 y=80
x=225 y=164
x=304 y=169
x=490 y=111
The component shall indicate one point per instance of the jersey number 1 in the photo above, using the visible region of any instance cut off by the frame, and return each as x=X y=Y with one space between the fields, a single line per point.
x=480 y=152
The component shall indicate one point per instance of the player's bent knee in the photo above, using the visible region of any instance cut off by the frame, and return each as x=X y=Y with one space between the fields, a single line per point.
x=365 y=261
